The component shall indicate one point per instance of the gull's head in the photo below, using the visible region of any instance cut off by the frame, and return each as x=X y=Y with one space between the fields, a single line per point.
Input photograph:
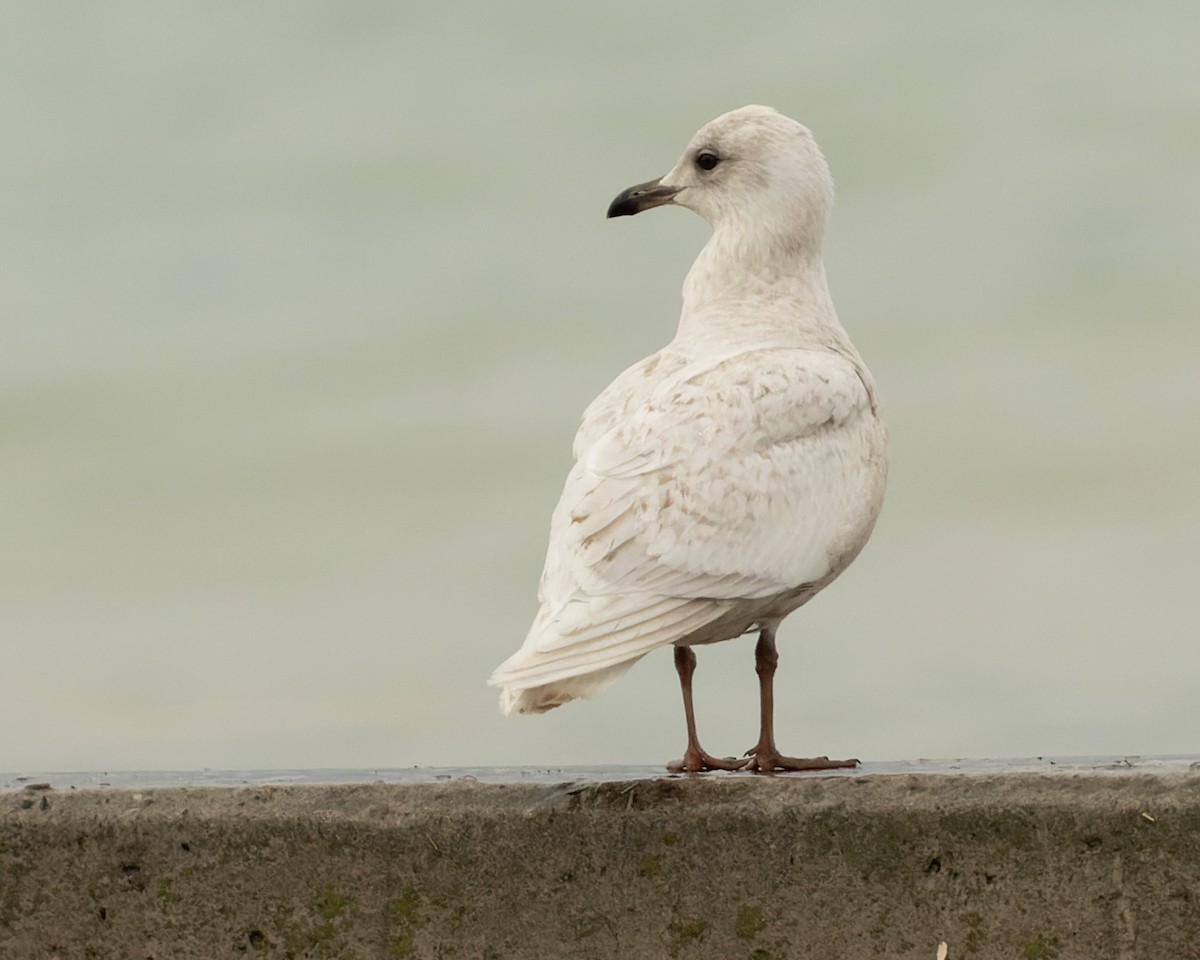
x=753 y=169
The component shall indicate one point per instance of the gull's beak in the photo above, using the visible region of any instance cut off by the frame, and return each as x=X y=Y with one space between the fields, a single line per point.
x=653 y=193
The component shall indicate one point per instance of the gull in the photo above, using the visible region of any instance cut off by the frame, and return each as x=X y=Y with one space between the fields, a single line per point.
x=724 y=481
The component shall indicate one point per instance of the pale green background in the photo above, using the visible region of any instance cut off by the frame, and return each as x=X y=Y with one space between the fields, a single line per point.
x=300 y=304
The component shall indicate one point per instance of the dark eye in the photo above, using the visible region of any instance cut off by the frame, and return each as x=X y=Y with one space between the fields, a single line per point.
x=706 y=159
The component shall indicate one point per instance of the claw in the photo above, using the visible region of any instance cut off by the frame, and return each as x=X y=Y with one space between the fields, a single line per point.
x=762 y=761
x=697 y=761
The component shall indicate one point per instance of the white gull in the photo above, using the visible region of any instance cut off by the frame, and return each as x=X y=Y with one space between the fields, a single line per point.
x=723 y=481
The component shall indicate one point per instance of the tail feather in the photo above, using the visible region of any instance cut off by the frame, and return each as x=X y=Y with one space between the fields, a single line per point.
x=561 y=661
x=547 y=696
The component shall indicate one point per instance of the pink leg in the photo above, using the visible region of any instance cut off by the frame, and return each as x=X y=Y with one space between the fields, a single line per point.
x=694 y=759
x=765 y=756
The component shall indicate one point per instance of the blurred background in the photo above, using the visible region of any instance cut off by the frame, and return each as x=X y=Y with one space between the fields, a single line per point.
x=300 y=305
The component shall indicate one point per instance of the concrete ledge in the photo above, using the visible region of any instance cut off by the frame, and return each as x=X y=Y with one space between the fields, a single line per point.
x=1013 y=866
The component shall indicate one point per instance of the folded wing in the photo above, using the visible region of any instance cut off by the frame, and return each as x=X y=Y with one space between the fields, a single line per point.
x=696 y=487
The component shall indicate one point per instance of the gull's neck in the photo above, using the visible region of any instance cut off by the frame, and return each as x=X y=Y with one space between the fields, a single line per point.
x=745 y=290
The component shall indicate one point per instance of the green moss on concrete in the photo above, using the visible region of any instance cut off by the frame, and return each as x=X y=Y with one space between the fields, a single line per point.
x=402 y=946
x=405 y=914
x=974 y=939
x=10 y=897
x=878 y=930
x=683 y=932
x=327 y=929
x=1041 y=949
x=749 y=921
x=330 y=904
x=406 y=909
x=650 y=865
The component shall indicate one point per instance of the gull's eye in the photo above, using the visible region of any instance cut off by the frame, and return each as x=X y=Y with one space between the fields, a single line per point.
x=706 y=159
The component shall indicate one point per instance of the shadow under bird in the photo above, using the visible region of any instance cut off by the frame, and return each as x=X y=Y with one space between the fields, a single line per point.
x=725 y=480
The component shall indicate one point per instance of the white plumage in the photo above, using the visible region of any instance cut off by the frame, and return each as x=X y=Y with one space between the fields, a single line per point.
x=724 y=480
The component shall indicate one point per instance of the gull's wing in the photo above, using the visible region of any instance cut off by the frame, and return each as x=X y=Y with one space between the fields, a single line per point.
x=731 y=481
x=697 y=485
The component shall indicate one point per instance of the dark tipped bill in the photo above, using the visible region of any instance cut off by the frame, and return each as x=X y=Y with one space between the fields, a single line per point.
x=652 y=193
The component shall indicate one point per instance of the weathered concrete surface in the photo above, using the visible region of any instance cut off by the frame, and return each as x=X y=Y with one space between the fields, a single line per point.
x=1012 y=866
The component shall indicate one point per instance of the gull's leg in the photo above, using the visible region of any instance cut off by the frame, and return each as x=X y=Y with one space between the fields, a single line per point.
x=694 y=759
x=765 y=757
